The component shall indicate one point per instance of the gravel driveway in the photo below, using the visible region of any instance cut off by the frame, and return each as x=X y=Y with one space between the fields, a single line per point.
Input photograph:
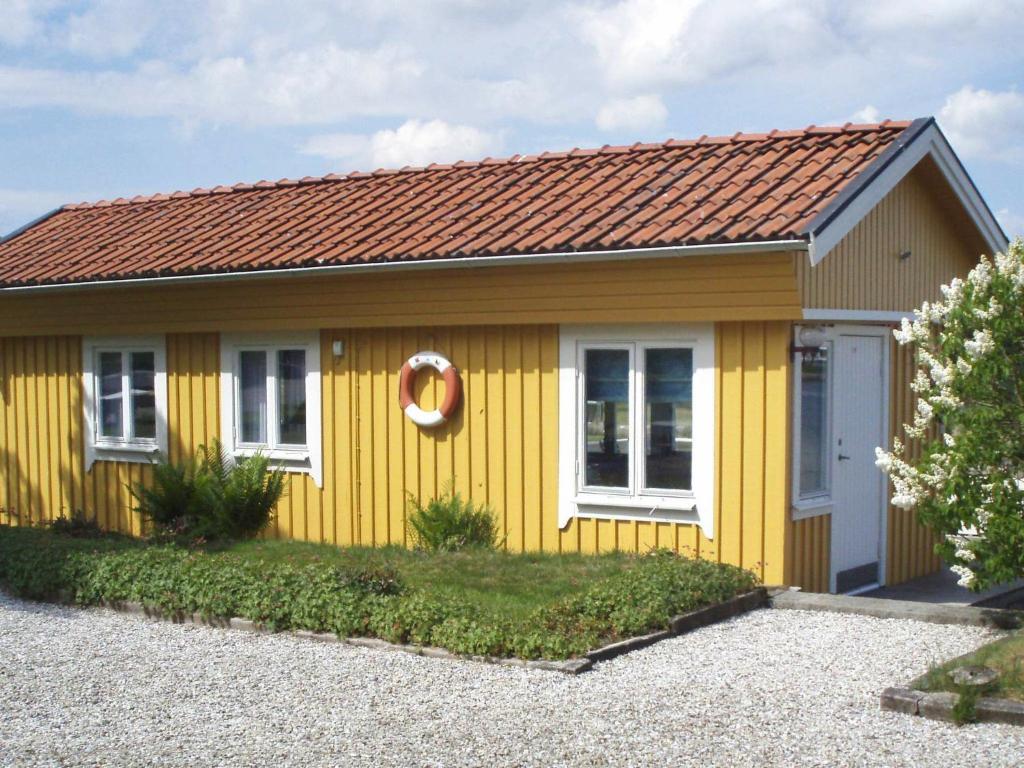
x=769 y=688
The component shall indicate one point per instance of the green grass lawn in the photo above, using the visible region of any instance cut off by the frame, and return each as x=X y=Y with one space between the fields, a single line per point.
x=1005 y=655
x=497 y=583
x=476 y=601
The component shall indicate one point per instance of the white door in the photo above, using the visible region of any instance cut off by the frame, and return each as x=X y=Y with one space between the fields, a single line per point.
x=859 y=426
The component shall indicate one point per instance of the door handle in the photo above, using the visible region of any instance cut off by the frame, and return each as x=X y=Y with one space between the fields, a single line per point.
x=843 y=457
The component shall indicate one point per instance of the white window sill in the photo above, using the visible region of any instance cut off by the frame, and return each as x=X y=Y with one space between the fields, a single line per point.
x=662 y=509
x=815 y=507
x=286 y=461
x=137 y=453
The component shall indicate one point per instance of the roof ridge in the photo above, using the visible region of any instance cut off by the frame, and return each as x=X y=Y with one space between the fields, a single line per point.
x=576 y=152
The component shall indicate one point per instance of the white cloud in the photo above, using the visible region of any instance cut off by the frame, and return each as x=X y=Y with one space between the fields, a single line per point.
x=640 y=113
x=985 y=124
x=415 y=142
x=868 y=114
x=301 y=87
x=109 y=28
x=1013 y=222
x=21 y=20
x=645 y=42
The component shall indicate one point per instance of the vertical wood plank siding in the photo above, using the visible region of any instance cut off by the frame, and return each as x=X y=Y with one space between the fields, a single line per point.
x=865 y=271
x=501 y=448
x=811 y=546
x=40 y=428
x=910 y=545
x=685 y=289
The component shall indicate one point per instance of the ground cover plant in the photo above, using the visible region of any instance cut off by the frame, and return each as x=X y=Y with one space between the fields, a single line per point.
x=475 y=601
x=1005 y=656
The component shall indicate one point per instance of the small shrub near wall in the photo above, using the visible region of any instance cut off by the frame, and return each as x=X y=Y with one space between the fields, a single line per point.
x=449 y=523
x=212 y=496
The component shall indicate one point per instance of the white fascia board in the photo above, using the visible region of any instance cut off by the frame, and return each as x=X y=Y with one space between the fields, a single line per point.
x=931 y=142
x=855 y=315
x=674 y=251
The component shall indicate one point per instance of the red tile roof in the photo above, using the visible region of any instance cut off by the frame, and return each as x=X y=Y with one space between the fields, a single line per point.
x=741 y=188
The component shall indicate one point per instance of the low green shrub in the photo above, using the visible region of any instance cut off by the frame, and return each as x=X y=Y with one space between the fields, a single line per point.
x=78 y=525
x=448 y=523
x=243 y=493
x=212 y=496
x=177 y=499
x=357 y=597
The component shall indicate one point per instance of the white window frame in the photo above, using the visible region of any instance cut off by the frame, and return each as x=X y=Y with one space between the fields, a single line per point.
x=821 y=502
x=636 y=503
x=135 y=450
x=306 y=459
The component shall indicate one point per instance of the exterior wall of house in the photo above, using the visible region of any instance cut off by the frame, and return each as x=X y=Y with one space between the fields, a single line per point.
x=865 y=271
x=811 y=545
x=911 y=546
x=501 y=447
x=685 y=289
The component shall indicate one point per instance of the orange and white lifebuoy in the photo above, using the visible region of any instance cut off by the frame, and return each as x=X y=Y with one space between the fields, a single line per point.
x=452 y=389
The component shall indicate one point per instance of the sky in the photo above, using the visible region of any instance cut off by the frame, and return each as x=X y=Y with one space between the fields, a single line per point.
x=113 y=98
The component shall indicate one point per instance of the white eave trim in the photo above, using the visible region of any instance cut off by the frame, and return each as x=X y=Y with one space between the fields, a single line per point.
x=722 y=249
x=855 y=315
x=929 y=141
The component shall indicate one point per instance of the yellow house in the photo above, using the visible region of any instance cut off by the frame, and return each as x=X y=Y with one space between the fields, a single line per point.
x=682 y=345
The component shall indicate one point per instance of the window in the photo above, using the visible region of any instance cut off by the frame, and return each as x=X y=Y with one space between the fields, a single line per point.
x=812 y=427
x=271 y=398
x=637 y=423
x=813 y=416
x=126 y=396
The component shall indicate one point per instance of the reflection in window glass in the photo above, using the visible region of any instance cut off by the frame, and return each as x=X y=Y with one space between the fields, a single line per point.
x=814 y=423
x=607 y=415
x=668 y=393
x=253 y=395
x=143 y=396
x=291 y=396
x=111 y=395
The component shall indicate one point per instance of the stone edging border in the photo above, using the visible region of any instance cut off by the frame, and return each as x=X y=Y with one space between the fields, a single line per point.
x=934 y=613
x=939 y=706
x=679 y=625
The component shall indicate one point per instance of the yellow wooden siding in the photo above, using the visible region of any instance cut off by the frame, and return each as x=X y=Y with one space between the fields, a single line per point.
x=682 y=289
x=864 y=271
x=40 y=426
x=811 y=544
x=910 y=545
x=501 y=447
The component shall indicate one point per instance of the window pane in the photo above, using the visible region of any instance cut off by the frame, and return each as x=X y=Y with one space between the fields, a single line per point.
x=143 y=395
x=813 y=423
x=291 y=396
x=668 y=391
x=607 y=414
x=111 y=395
x=253 y=395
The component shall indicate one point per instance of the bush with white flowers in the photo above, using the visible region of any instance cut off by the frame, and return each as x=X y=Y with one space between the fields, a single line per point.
x=968 y=481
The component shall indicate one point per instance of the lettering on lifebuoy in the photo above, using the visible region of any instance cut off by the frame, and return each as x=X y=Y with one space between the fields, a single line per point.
x=407 y=383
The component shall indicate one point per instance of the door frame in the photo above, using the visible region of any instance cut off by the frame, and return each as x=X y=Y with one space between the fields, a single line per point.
x=802 y=509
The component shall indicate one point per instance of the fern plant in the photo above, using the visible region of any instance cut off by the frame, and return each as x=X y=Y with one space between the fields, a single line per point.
x=448 y=523
x=178 y=498
x=245 y=492
x=211 y=496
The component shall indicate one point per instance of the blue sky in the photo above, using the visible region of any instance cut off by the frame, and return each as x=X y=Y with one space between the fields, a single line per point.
x=109 y=98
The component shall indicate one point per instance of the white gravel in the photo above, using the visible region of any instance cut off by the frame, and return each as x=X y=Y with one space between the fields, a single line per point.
x=88 y=688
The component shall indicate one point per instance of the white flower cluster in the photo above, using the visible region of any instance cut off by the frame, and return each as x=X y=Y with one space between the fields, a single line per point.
x=943 y=377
